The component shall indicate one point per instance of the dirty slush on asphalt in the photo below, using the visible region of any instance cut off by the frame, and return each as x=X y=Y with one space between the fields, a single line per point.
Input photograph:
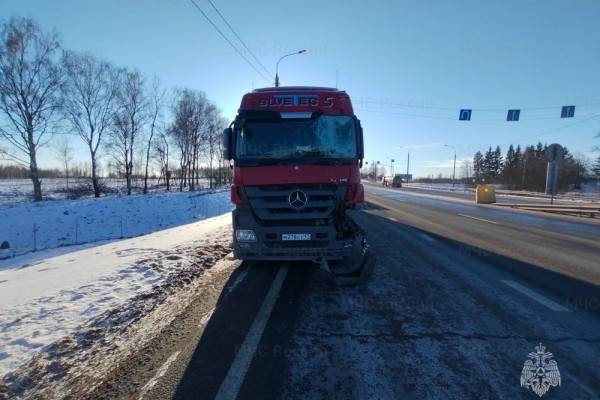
x=78 y=364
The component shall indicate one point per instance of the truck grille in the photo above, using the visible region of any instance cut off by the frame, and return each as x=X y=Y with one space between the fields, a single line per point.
x=271 y=202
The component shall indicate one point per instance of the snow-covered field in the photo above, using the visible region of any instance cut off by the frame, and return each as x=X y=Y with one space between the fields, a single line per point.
x=19 y=190
x=29 y=226
x=57 y=306
x=100 y=266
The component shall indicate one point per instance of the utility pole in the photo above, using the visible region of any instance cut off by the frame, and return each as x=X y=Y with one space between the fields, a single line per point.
x=454 y=168
x=407 y=165
x=524 y=170
x=454 y=171
x=554 y=153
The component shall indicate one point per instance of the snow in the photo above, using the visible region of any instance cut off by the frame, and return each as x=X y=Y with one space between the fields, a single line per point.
x=44 y=302
x=29 y=226
x=21 y=190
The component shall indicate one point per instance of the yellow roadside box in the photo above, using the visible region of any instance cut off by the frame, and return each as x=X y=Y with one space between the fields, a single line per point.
x=485 y=194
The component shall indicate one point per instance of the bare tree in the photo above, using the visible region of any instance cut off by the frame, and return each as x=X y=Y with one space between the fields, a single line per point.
x=215 y=125
x=223 y=173
x=156 y=104
x=187 y=134
x=29 y=90
x=180 y=130
x=64 y=154
x=161 y=147
x=199 y=134
x=129 y=120
x=89 y=101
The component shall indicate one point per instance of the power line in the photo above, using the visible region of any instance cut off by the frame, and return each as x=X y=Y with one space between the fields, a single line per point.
x=405 y=114
x=543 y=133
x=546 y=132
x=239 y=38
x=454 y=118
x=229 y=41
x=446 y=108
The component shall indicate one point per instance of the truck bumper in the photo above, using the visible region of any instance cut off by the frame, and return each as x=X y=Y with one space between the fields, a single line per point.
x=323 y=243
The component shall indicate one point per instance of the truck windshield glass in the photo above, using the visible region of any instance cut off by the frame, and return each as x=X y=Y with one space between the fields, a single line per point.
x=330 y=137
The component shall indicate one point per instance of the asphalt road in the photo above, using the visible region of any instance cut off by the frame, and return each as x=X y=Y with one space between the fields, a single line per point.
x=501 y=197
x=459 y=298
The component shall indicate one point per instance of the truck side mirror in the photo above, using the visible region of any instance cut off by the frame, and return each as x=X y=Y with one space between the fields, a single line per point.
x=227 y=153
x=360 y=151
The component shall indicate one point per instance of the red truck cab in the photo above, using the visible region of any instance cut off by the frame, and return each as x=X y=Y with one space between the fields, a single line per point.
x=297 y=154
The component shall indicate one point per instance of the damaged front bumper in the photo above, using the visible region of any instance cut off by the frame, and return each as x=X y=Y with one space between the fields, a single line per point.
x=321 y=241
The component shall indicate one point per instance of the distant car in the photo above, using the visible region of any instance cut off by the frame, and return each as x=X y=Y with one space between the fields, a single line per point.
x=397 y=181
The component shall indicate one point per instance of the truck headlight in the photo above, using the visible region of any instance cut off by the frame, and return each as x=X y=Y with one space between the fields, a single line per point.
x=245 y=235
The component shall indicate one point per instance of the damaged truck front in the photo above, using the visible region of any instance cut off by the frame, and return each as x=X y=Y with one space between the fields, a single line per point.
x=297 y=154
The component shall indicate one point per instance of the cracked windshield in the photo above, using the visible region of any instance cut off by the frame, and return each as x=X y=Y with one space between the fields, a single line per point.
x=327 y=137
x=219 y=199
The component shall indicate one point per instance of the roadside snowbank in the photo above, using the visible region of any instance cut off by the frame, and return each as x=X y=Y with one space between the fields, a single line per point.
x=43 y=303
x=52 y=224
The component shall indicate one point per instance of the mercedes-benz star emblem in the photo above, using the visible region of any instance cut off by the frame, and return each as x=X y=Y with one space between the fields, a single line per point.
x=297 y=199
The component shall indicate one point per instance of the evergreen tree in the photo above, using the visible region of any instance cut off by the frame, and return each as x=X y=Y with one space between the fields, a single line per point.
x=596 y=168
x=518 y=157
x=494 y=162
x=539 y=151
x=509 y=160
x=527 y=169
x=488 y=162
x=478 y=163
x=508 y=169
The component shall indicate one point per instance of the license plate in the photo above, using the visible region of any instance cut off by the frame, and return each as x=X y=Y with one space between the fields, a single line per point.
x=295 y=236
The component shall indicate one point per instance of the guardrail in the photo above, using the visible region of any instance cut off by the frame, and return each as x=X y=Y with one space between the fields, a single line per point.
x=590 y=211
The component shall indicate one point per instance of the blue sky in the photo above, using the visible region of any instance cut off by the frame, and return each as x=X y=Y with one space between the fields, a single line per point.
x=409 y=66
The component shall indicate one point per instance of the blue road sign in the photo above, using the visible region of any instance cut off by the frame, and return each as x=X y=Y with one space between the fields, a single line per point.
x=513 y=115
x=567 y=112
x=465 y=115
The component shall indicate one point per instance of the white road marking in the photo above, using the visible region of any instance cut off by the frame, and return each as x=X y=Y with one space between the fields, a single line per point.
x=428 y=238
x=232 y=383
x=535 y=296
x=479 y=219
x=159 y=374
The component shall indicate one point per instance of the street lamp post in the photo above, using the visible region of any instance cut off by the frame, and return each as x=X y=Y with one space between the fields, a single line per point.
x=454 y=168
x=277 y=65
x=407 y=164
